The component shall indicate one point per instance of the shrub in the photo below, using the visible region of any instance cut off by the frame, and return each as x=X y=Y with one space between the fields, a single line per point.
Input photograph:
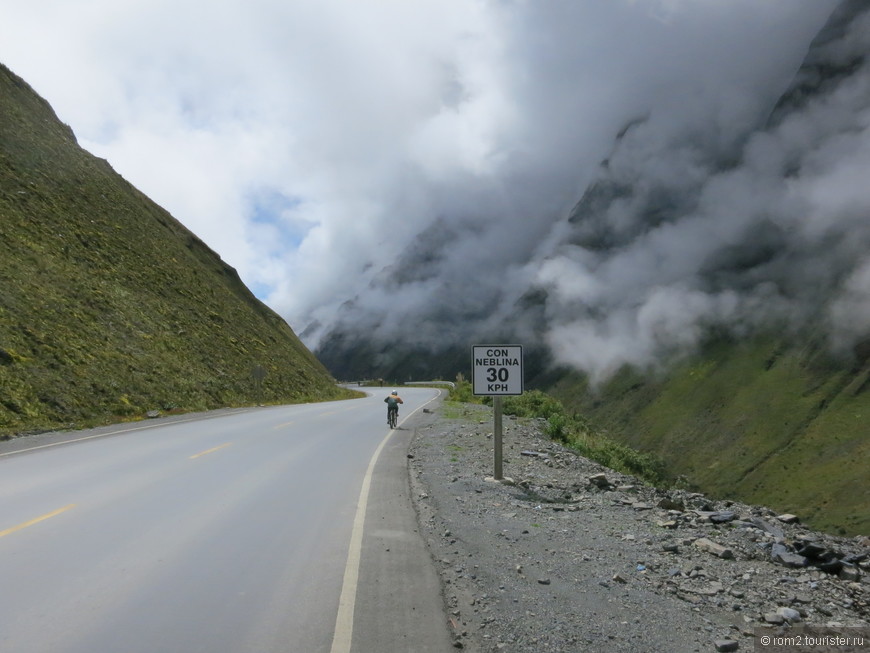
x=464 y=391
x=532 y=404
x=557 y=427
x=622 y=458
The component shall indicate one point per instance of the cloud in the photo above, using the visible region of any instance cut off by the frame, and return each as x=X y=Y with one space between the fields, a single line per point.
x=771 y=230
x=412 y=169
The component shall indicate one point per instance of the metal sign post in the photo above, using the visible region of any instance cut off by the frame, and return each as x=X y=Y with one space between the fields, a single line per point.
x=497 y=372
x=497 y=473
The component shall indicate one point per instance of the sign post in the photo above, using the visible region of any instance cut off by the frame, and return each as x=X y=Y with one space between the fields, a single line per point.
x=497 y=470
x=497 y=372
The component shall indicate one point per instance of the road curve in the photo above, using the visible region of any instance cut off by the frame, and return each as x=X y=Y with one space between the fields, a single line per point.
x=243 y=532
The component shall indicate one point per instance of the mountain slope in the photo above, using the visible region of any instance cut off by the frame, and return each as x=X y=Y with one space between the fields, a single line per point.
x=762 y=420
x=108 y=306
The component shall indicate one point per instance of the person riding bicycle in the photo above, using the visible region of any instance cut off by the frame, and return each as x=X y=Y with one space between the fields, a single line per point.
x=393 y=402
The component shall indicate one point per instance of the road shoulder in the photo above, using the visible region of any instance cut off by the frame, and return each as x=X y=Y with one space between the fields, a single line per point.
x=399 y=604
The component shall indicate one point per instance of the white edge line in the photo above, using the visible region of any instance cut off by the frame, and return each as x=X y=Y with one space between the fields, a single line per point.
x=102 y=435
x=343 y=634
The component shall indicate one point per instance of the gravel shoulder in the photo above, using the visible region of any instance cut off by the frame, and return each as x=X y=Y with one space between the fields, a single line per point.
x=573 y=556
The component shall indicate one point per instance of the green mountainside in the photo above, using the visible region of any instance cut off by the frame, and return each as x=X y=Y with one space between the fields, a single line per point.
x=109 y=307
x=767 y=421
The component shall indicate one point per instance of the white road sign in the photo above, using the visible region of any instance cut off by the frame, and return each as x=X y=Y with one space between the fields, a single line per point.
x=497 y=369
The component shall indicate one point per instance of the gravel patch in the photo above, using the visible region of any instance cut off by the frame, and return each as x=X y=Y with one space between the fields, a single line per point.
x=572 y=556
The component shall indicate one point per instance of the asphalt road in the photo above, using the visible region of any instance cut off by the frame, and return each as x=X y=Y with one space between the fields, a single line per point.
x=267 y=529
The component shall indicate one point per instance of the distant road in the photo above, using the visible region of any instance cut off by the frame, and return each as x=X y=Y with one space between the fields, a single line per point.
x=241 y=533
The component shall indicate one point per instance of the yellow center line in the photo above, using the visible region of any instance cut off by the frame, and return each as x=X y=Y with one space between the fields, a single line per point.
x=212 y=450
x=49 y=515
x=279 y=426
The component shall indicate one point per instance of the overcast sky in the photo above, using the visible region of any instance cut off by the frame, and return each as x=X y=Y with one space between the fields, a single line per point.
x=310 y=141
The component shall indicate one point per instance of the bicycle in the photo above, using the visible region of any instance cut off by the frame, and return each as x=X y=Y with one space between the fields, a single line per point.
x=393 y=402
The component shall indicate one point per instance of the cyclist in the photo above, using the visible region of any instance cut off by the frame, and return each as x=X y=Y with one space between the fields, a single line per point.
x=393 y=402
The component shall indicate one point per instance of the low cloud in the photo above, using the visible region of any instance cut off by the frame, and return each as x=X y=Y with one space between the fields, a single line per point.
x=667 y=245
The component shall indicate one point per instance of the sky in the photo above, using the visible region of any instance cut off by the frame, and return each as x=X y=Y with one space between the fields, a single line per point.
x=376 y=163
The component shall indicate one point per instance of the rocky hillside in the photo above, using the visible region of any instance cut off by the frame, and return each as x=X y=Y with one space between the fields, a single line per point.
x=109 y=307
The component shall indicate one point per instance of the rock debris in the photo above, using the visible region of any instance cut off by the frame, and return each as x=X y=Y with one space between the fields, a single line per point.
x=571 y=556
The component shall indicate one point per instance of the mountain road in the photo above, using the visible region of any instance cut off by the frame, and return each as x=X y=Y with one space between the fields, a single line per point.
x=269 y=529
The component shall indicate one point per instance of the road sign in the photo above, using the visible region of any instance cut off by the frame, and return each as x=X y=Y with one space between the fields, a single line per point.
x=497 y=370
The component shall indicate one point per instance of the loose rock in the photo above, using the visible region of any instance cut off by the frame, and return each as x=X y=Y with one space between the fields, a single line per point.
x=638 y=569
x=716 y=549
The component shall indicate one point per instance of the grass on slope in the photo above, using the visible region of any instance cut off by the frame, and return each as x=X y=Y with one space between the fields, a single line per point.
x=761 y=421
x=108 y=306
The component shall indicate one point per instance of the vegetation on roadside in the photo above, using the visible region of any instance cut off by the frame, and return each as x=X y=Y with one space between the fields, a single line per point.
x=462 y=391
x=571 y=429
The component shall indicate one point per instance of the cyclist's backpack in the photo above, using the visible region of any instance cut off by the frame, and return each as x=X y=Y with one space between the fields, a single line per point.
x=392 y=403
